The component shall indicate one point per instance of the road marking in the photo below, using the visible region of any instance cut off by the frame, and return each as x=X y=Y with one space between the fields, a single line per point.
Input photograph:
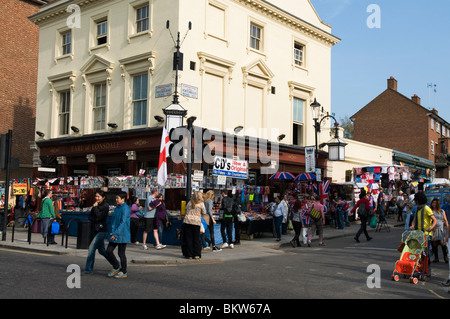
x=435 y=294
x=25 y=252
x=372 y=248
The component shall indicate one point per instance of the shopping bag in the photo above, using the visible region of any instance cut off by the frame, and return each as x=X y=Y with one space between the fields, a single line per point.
x=373 y=222
x=55 y=228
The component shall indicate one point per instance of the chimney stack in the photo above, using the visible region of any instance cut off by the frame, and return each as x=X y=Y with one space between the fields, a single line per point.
x=392 y=83
x=416 y=99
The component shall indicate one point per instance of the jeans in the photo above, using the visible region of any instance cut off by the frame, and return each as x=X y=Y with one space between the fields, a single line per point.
x=45 y=223
x=340 y=214
x=406 y=218
x=98 y=242
x=278 y=221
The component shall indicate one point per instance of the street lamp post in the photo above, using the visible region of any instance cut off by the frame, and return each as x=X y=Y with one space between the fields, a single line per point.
x=190 y=122
x=336 y=146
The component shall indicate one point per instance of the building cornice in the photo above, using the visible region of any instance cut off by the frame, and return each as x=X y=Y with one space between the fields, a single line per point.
x=289 y=19
x=53 y=10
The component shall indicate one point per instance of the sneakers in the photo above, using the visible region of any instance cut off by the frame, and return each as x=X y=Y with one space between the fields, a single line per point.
x=144 y=247
x=120 y=275
x=113 y=272
x=160 y=246
x=231 y=246
x=216 y=249
x=225 y=245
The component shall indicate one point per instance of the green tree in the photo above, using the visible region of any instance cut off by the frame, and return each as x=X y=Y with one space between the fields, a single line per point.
x=346 y=123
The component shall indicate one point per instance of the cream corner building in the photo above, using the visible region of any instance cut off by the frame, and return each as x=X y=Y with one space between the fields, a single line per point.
x=258 y=64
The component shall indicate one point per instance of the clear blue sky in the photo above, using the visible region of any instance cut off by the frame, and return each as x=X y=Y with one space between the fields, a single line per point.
x=412 y=45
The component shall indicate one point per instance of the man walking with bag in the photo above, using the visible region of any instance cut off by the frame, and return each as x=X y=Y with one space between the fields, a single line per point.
x=363 y=206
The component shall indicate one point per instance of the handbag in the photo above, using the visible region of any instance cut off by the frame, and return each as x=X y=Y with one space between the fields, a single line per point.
x=315 y=214
x=241 y=217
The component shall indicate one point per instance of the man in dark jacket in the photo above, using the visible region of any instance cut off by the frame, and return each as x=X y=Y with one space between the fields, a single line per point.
x=227 y=208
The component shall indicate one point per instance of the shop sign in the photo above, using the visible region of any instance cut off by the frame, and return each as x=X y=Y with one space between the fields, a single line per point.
x=19 y=189
x=230 y=168
x=198 y=175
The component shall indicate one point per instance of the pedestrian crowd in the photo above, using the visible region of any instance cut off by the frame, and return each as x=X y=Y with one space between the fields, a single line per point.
x=303 y=214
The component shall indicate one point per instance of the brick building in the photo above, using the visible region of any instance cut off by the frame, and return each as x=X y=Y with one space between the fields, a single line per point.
x=19 y=43
x=395 y=121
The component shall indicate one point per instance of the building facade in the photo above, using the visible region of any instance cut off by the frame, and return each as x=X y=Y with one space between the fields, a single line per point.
x=106 y=73
x=19 y=42
x=395 y=121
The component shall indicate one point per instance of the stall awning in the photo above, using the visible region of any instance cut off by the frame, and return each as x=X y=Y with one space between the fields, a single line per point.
x=412 y=159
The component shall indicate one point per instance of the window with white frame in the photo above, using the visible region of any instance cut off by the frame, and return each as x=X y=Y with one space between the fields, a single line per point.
x=66 y=45
x=299 y=54
x=142 y=18
x=432 y=124
x=140 y=99
x=99 y=107
x=432 y=147
x=438 y=127
x=64 y=112
x=256 y=33
x=102 y=31
x=298 y=106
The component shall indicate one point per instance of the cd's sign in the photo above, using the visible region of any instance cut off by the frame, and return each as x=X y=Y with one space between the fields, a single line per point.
x=230 y=168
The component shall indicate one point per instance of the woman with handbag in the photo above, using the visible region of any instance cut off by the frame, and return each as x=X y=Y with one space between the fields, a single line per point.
x=191 y=247
x=47 y=216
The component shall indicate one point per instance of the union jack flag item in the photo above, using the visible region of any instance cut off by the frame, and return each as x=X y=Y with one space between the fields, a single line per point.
x=322 y=190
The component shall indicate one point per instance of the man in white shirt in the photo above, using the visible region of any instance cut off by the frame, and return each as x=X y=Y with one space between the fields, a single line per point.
x=279 y=214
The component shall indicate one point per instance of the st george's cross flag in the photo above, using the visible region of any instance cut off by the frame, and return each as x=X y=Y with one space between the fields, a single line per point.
x=163 y=154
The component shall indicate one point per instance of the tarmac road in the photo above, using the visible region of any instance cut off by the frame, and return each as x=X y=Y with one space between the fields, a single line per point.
x=336 y=271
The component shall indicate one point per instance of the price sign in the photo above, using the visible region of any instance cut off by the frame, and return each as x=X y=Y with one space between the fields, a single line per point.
x=19 y=189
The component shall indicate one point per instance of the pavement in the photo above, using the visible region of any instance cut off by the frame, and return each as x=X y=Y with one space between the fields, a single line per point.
x=171 y=255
